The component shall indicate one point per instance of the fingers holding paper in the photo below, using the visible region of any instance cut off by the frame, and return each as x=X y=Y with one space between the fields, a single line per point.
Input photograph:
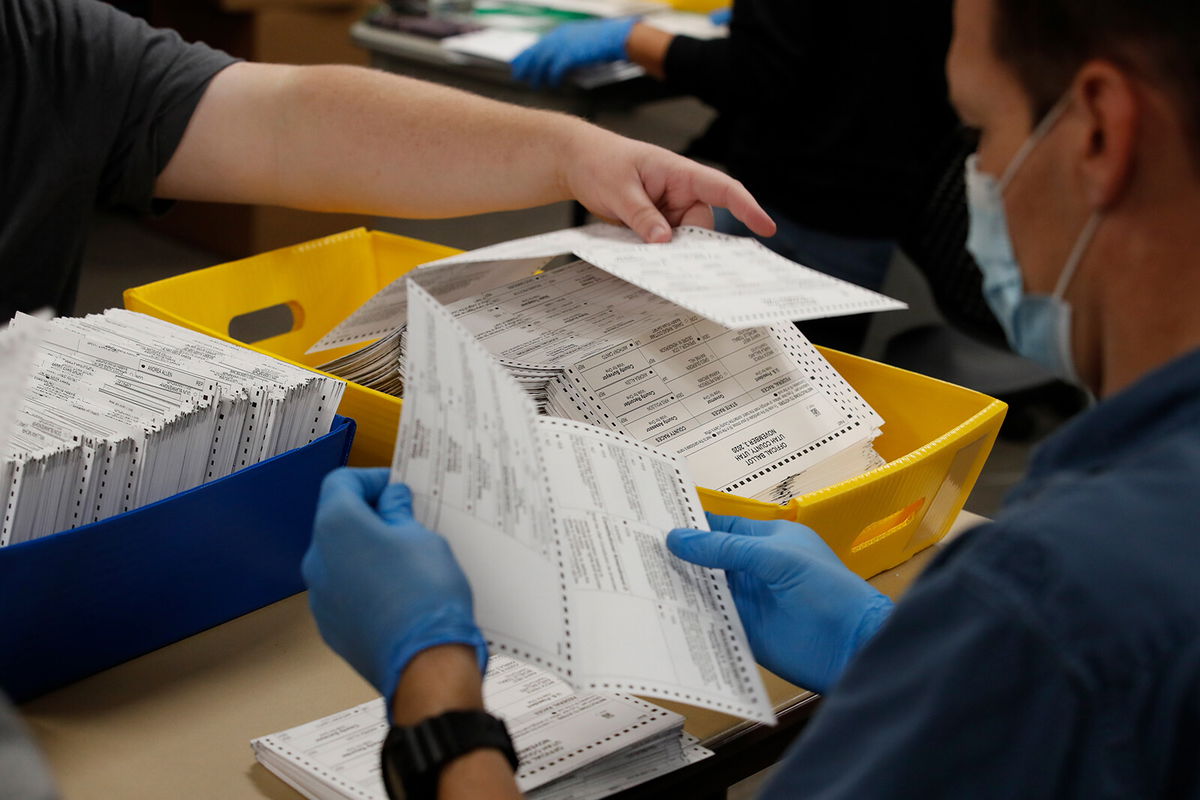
x=806 y=615
x=383 y=587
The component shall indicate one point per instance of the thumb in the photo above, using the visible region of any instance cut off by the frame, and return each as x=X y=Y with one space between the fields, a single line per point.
x=718 y=550
x=396 y=503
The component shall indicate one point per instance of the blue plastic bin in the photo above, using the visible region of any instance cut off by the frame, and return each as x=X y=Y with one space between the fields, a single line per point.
x=83 y=600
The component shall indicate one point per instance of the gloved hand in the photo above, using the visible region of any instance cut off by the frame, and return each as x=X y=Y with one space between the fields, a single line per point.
x=382 y=586
x=721 y=16
x=570 y=46
x=805 y=613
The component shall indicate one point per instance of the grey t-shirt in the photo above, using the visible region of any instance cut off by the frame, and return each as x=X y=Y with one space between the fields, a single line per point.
x=23 y=773
x=93 y=103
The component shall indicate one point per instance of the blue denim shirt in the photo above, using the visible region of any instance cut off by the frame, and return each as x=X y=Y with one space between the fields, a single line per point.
x=1052 y=653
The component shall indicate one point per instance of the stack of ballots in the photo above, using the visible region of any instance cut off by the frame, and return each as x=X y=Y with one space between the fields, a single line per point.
x=571 y=746
x=122 y=410
x=687 y=346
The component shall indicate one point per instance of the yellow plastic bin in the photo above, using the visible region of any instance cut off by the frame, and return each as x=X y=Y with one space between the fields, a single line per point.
x=936 y=437
x=699 y=6
x=321 y=281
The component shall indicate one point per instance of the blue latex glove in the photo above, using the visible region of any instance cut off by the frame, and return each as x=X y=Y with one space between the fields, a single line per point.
x=382 y=586
x=721 y=16
x=805 y=614
x=570 y=46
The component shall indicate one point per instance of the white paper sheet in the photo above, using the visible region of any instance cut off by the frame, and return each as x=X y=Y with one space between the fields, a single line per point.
x=492 y=44
x=555 y=732
x=561 y=527
x=730 y=280
x=738 y=404
x=18 y=345
x=124 y=410
x=467 y=448
x=624 y=770
x=640 y=619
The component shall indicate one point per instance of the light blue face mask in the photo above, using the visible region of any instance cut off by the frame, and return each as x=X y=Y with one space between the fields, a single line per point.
x=1037 y=326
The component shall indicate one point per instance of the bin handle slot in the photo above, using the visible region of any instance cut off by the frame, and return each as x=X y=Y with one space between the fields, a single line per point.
x=888 y=526
x=266 y=323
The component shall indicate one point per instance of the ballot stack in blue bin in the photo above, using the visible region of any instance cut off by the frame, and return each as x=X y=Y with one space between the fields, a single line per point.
x=154 y=551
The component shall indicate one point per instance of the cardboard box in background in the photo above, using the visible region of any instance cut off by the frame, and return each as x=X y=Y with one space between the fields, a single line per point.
x=278 y=31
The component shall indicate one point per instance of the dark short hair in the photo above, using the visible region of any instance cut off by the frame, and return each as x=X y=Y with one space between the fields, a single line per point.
x=1047 y=41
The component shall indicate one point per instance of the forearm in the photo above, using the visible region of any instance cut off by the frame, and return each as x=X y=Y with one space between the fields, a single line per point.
x=444 y=679
x=350 y=139
x=647 y=47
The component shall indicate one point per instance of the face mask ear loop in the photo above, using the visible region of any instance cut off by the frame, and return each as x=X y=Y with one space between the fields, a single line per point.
x=1077 y=253
x=1035 y=138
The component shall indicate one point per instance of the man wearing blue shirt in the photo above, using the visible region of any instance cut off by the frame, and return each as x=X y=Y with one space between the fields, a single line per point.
x=1052 y=653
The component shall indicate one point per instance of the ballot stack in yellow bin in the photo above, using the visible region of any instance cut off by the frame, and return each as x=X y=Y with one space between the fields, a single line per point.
x=936 y=438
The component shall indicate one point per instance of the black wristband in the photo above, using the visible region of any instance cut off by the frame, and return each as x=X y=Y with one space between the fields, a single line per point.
x=414 y=757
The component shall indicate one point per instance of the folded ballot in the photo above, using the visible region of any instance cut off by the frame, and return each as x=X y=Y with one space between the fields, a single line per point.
x=561 y=529
x=571 y=746
x=687 y=346
x=122 y=410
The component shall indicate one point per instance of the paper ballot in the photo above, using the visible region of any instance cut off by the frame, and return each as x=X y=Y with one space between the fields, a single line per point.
x=18 y=348
x=635 y=348
x=756 y=411
x=491 y=44
x=123 y=410
x=747 y=408
x=731 y=280
x=560 y=527
x=571 y=746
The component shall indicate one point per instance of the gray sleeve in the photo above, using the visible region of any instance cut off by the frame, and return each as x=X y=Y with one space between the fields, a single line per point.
x=123 y=90
x=23 y=772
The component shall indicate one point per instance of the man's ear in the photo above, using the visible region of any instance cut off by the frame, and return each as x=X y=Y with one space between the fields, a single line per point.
x=1111 y=106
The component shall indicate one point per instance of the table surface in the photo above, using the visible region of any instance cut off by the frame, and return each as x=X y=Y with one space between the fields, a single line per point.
x=178 y=722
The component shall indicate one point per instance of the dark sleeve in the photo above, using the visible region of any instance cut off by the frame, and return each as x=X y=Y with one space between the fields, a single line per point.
x=122 y=90
x=959 y=695
x=701 y=68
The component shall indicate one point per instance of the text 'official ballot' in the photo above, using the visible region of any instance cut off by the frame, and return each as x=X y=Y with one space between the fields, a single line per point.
x=122 y=410
x=685 y=346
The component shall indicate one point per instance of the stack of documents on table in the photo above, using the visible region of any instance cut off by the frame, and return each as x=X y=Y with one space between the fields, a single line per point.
x=123 y=410
x=687 y=346
x=571 y=746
